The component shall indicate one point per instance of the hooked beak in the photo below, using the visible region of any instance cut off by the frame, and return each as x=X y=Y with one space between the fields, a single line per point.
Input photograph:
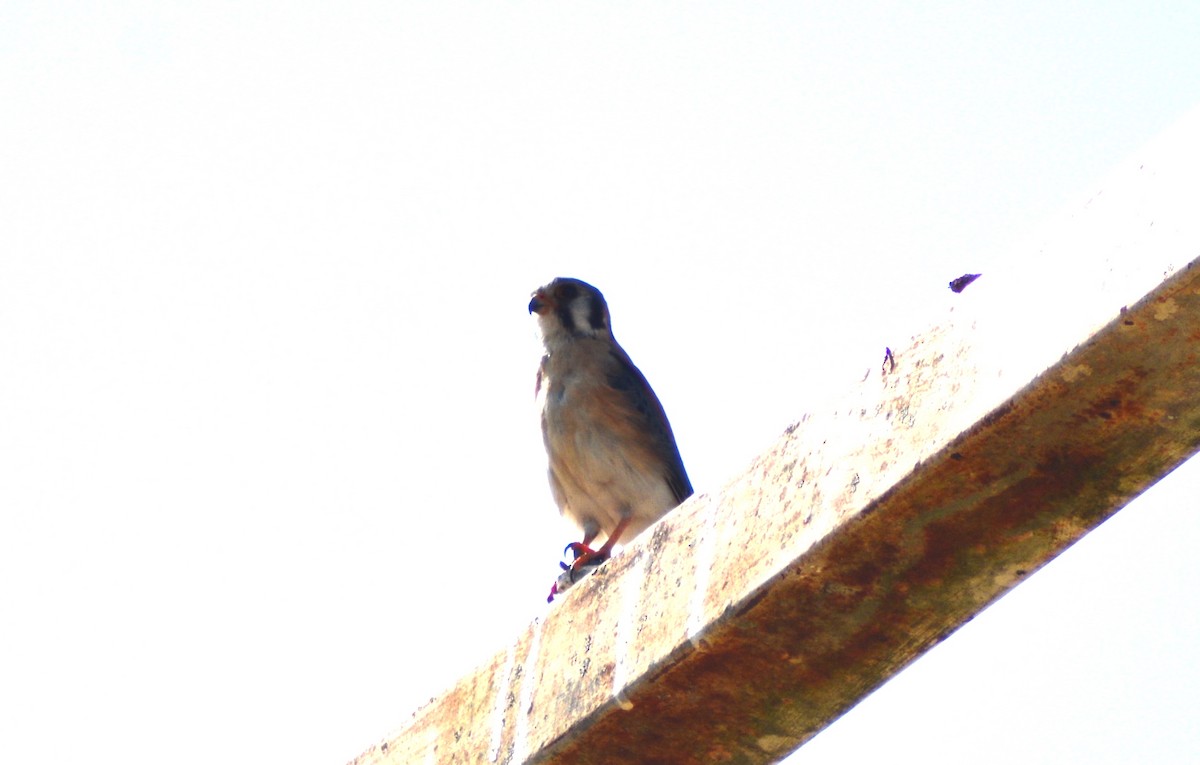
x=540 y=304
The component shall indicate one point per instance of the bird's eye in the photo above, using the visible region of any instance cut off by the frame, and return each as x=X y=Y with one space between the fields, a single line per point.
x=567 y=292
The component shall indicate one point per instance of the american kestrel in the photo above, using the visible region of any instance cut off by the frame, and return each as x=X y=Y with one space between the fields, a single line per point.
x=614 y=465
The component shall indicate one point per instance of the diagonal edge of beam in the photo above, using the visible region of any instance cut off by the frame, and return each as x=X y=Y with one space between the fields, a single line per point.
x=750 y=618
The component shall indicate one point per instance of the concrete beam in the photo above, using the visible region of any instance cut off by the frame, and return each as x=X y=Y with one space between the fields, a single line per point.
x=1050 y=394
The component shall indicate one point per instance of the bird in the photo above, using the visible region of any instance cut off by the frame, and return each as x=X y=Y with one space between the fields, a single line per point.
x=614 y=466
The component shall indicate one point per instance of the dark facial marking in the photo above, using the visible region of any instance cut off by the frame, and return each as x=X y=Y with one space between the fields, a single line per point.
x=563 y=311
x=596 y=315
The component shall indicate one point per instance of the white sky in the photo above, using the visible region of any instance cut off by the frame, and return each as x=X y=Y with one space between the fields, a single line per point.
x=269 y=470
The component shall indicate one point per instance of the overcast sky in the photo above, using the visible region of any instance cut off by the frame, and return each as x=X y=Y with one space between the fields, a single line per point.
x=270 y=473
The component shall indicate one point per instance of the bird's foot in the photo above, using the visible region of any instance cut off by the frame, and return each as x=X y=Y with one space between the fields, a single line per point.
x=584 y=556
x=585 y=560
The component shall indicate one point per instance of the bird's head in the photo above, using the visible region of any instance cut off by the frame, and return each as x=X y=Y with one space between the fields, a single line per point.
x=568 y=309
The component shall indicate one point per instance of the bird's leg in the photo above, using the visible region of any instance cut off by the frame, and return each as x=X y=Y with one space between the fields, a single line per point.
x=578 y=549
x=585 y=555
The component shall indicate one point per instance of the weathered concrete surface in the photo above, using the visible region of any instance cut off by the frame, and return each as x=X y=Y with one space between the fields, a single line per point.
x=749 y=619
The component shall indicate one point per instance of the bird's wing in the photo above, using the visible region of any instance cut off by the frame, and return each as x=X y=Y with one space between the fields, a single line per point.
x=640 y=402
